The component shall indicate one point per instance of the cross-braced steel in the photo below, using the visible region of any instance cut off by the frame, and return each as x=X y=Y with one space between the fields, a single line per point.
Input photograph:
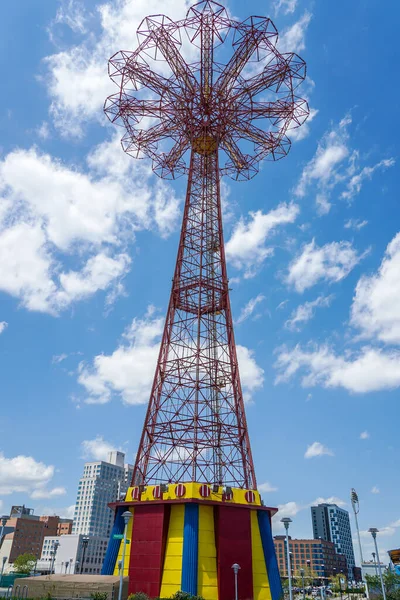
x=199 y=114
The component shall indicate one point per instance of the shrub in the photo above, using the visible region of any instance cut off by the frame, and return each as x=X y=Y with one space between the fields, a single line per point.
x=138 y=596
x=99 y=596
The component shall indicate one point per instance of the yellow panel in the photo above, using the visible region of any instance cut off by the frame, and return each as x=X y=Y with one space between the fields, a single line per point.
x=128 y=547
x=172 y=572
x=193 y=491
x=261 y=589
x=207 y=585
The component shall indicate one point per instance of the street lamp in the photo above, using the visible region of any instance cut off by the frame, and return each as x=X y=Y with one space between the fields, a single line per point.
x=286 y=521
x=4 y=560
x=236 y=568
x=373 y=531
x=375 y=565
x=356 y=509
x=85 y=542
x=76 y=567
x=53 y=555
x=302 y=583
x=127 y=515
x=323 y=581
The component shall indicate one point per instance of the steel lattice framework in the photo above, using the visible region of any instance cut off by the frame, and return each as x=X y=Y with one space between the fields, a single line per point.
x=194 y=115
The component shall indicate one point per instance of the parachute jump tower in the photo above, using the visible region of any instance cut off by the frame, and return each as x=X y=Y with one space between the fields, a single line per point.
x=197 y=109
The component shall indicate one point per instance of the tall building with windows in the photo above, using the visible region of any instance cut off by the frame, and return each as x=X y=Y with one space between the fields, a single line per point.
x=332 y=523
x=102 y=482
x=317 y=557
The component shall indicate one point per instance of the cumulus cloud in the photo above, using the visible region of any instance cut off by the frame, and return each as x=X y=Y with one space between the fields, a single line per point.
x=76 y=77
x=266 y=488
x=317 y=449
x=57 y=214
x=3 y=326
x=334 y=164
x=375 y=310
x=249 y=308
x=44 y=493
x=364 y=435
x=97 y=449
x=127 y=372
x=247 y=247
x=331 y=262
x=24 y=474
x=375 y=490
x=293 y=38
x=330 y=500
x=305 y=312
x=367 y=370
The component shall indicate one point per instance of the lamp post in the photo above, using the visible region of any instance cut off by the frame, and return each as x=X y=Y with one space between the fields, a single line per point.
x=76 y=567
x=373 y=531
x=4 y=560
x=356 y=509
x=66 y=566
x=53 y=556
x=127 y=517
x=375 y=565
x=85 y=542
x=236 y=568
x=323 y=581
x=302 y=583
x=286 y=521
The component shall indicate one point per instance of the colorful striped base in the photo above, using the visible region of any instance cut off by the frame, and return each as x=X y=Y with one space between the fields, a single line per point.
x=190 y=543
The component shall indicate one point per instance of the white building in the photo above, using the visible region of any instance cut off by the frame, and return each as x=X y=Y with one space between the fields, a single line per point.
x=70 y=554
x=102 y=483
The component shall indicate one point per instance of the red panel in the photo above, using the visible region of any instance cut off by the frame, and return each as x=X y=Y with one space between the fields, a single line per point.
x=233 y=537
x=147 y=549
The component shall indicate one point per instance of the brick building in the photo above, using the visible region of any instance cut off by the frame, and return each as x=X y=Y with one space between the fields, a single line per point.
x=64 y=527
x=316 y=557
x=25 y=532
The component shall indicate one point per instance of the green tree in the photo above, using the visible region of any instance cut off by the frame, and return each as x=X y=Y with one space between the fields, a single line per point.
x=24 y=563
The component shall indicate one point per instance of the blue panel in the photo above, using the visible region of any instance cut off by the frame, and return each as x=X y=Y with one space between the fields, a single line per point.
x=190 y=549
x=269 y=555
x=113 y=545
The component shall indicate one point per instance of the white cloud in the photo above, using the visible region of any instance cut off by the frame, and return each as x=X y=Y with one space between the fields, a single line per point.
x=251 y=374
x=43 y=131
x=66 y=512
x=292 y=39
x=72 y=13
x=330 y=500
x=3 y=326
x=300 y=133
x=331 y=151
x=285 y=6
x=58 y=358
x=246 y=249
x=248 y=309
x=368 y=370
x=289 y=509
x=355 y=224
x=331 y=262
x=96 y=449
x=266 y=488
x=305 y=312
x=375 y=490
x=333 y=164
x=355 y=184
x=129 y=370
x=77 y=77
x=57 y=214
x=375 y=310
x=317 y=449
x=44 y=493
x=364 y=435
x=23 y=474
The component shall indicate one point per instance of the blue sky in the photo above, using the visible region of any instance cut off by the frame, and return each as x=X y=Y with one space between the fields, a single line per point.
x=88 y=241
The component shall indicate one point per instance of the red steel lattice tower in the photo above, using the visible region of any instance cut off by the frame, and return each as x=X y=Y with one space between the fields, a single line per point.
x=193 y=111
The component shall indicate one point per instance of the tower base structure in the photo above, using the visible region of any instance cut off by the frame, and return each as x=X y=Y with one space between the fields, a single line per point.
x=188 y=537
